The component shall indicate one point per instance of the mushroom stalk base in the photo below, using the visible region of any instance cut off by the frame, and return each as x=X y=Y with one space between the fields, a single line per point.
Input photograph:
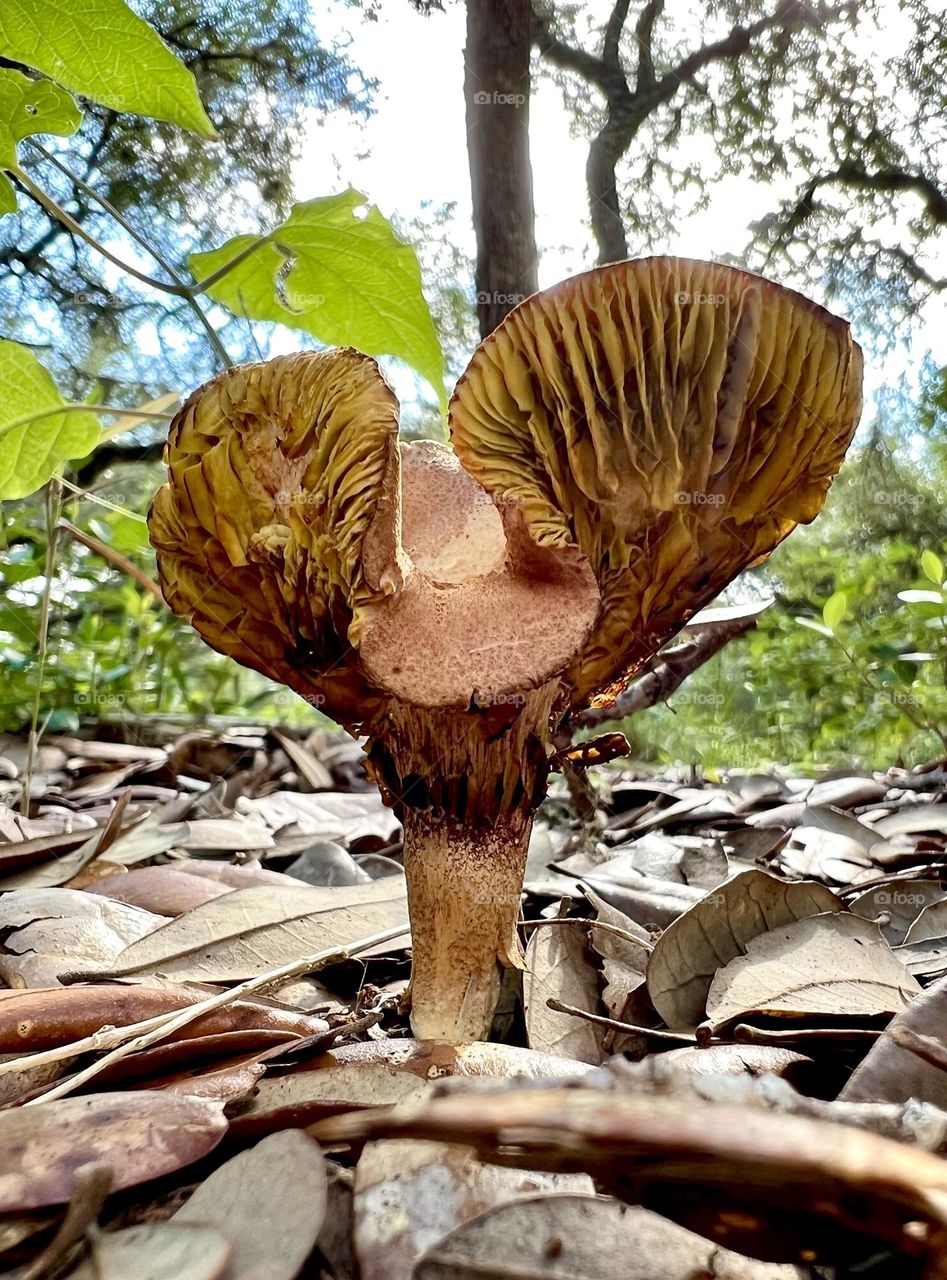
x=464 y=894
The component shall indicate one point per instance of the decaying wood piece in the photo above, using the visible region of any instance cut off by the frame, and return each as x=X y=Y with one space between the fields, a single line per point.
x=782 y=1187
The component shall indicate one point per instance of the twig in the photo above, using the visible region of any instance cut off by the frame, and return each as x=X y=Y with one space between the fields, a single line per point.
x=927 y=1048
x=113 y=557
x=139 y=1035
x=107 y=409
x=178 y=289
x=591 y=924
x=746 y=1033
x=91 y=1186
x=679 y=1037
x=53 y=508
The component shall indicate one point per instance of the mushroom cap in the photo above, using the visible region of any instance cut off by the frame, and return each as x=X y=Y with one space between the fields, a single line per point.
x=674 y=420
x=275 y=473
x=623 y=445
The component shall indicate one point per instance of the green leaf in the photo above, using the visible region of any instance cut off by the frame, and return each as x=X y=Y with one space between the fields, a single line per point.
x=27 y=107
x=932 y=567
x=834 y=610
x=33 y=452
x=104 y=51
x=346 y=279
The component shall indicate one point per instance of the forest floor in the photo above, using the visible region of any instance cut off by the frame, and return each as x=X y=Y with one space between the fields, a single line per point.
x=726 y=1055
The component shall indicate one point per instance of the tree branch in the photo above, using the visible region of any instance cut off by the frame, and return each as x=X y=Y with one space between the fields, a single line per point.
x=669 y=673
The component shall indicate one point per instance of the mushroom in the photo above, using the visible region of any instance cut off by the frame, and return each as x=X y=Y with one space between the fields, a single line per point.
x=622 y=445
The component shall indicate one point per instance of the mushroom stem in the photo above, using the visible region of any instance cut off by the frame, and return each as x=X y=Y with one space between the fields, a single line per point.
x=463 y=895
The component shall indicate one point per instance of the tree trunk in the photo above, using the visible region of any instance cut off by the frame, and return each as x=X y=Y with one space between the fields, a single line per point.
x=496 y=90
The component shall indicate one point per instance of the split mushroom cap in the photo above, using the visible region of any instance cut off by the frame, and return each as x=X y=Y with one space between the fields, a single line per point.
x=673 y=419
x=623 y=445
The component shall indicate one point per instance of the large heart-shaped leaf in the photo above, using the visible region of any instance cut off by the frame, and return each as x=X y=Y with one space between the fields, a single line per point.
x=337 y=270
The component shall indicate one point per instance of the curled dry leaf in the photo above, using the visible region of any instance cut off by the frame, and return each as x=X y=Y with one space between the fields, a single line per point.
x=45 y=1018
x=558 y=967
x=228 y=1084
x=410 y=1193
x=624 y=955
x=164 y=890
x=330 y=815
x=242 y=934
x=897 y=905
x=835 y=964
x=778 y=1186
x=379 y=1073
x=157 y=1251
x=243 y=876
x=269 y=1202
x=138 y=1135
x=62 y=929
x=716 y=930
x=559 y=1237
x=891 y=1073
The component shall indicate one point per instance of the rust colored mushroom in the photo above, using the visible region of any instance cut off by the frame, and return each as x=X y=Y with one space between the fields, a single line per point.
x=622 y=445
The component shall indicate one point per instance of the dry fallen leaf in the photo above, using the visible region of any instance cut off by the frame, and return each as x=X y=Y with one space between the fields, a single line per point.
x=330 y=815
x=46 y=1017
x=138 y=1135
x=157 y=1251
x=61 y=929
x=564 y=1236
x=900 y=903
x=379 y=1073
x=166 y=891
x=834 y=964
x=624 y=955
x=891 y=1073
x=716 y=930
x=408 y=1194
x=268 y=1202
x=244 y=933
x=558 y=967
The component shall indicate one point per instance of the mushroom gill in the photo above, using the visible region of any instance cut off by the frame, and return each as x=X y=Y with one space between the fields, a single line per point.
x=622 y=446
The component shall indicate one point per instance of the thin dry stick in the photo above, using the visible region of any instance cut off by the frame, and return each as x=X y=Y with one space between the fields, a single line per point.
x=679 y=1037
x=590 y=924
x=113 y=557
x=138 y=1035
x=927 y=1048
x=91 y=1186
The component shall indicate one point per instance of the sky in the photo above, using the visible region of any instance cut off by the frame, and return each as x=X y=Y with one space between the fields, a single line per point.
x=412 y=153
